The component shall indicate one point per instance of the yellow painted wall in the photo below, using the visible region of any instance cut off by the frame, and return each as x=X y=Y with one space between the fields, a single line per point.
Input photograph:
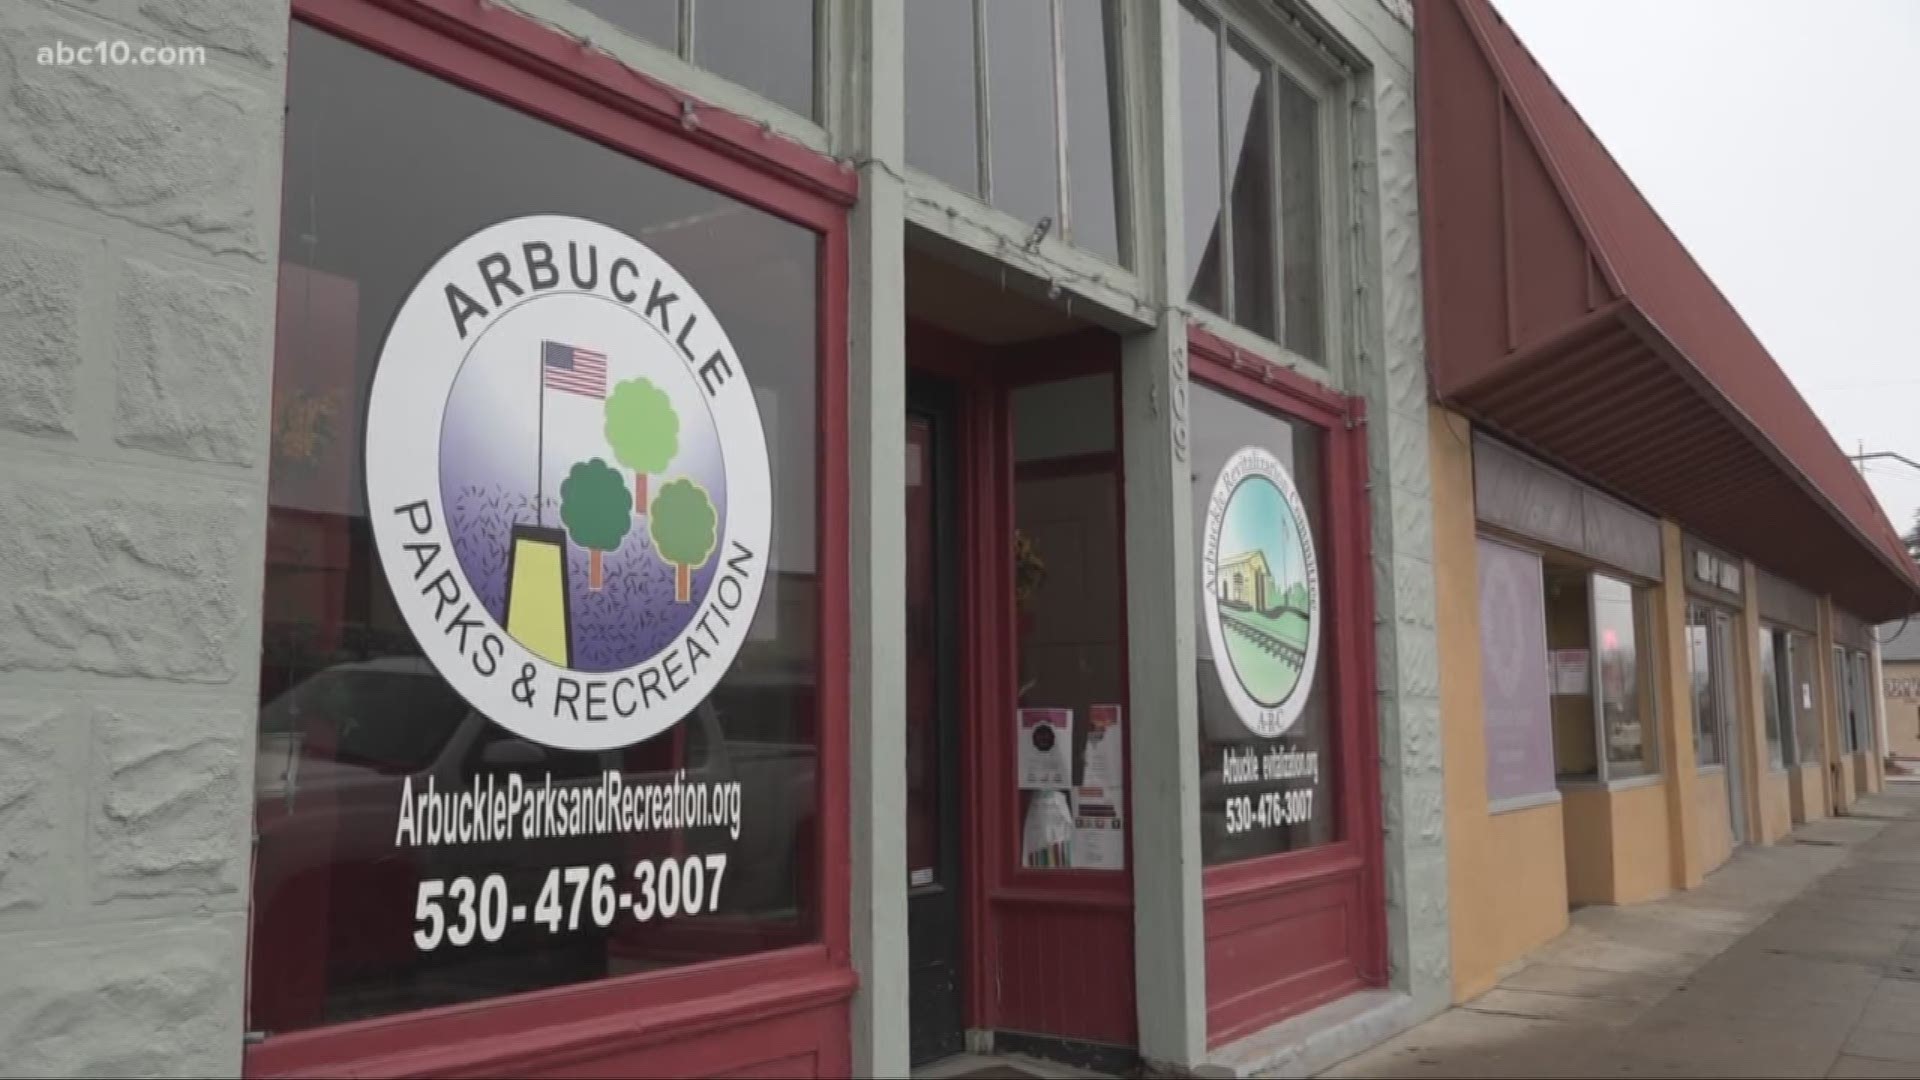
x=1520 y=900
x=1617 y=843
x=1712 y=826
x=1506 y=876
x=1776 y=805
x=1641 y=857
x=1807 y=785
x=1587 y=821
x=1676 y=712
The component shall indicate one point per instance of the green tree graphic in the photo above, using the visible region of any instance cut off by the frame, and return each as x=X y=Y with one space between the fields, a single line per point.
x=682 y=525
x=644 y=432
x=597 y=511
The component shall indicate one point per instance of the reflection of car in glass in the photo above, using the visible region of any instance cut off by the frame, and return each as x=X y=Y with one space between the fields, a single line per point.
x=337 y=749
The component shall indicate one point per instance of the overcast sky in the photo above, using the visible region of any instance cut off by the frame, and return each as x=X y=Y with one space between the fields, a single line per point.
x=1781 y=142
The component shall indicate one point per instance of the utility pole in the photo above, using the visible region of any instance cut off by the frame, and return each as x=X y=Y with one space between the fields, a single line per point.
x=1863 y=457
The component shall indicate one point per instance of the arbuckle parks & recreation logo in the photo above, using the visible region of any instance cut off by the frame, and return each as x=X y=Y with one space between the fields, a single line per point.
x=568 y=482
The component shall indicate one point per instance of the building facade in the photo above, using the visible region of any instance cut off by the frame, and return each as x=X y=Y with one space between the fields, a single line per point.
x=1658 y=574
x=1900 y=689
x=807 y=657
x=988 y=559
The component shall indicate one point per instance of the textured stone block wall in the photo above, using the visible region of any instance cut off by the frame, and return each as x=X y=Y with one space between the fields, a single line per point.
x=139 y=221
x=1391 y=372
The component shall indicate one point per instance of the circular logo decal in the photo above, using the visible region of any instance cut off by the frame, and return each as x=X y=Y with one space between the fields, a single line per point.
x=1262 y=592
x=568 y=482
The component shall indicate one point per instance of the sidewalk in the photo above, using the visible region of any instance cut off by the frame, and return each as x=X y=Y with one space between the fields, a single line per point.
x=1801 y=959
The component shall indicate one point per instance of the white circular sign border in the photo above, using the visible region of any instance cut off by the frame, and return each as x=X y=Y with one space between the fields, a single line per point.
x=403 y=466
x=1263 y=722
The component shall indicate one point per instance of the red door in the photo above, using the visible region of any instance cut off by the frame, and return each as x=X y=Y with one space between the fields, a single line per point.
x=1048 y=912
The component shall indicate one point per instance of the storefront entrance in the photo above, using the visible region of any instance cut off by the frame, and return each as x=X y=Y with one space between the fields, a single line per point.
x=1713 y=660
x=934 y=885
x=1019 y=889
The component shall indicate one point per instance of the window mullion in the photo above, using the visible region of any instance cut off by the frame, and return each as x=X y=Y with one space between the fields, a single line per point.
x=1221 y=51
x=686 y=30
x=1600 y=766
x=1275 y=191
x=1063 y=228
x=982 y=106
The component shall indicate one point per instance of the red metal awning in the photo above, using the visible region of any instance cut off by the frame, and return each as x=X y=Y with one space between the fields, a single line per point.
x=1565 y=315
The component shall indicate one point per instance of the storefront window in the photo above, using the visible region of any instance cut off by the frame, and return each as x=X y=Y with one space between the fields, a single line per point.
x=1706 y=708
x=1570 y=658
x=1774 y=680
x=1252 y=157
x=1860 y=704
x=1802 y=665
x=1603 y=704
x=367 y=902
x=767 y=48
x=1068 y=580
x=1046 y=75
x=1266 y=697
x=1625 y=692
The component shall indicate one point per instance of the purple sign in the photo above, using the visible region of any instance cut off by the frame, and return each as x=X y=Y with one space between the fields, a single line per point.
x=1513 y=673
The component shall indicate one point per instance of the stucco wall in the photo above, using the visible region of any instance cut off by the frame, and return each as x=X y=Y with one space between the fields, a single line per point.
x=139 y=224
x=1806 y=788
x=1711 y=825
x=1588 y=829
x=1618 y=843
x=1506 y=873
x=1776 y=805
x=1641 y=843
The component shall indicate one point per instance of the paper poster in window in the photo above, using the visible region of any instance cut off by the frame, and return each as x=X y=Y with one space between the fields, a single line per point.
x=1045 y=748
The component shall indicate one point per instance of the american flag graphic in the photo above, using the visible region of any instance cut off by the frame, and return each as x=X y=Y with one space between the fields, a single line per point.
x=573 y=369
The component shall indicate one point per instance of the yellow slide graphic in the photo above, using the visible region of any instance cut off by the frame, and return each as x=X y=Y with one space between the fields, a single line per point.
x=537 y=593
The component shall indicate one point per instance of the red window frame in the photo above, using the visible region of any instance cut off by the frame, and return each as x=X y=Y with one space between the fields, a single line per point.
x=798 y=995
x=1245 y=900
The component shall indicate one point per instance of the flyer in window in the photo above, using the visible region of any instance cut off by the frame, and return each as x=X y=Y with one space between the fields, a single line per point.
x=1104 y=757
x=1046 y=840
x=1046 y=748
x=1570 y=671
x=1099 y=830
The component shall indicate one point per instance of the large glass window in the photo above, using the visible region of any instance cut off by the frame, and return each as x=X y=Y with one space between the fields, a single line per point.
x=766 y=47
x=1844 y=700
x=1802 y=667
x=1252 y=148
x=1776 y=681
x=1705 y=665
x=384 y=173
x=1043 y=75
x=1068 y=580
x=1268 y=752
x=1859 y=702
x=1624 y=694
x=1603 y=703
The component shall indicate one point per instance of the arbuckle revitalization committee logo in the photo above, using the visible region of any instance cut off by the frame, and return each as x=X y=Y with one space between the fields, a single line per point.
x=1262 y=592
x=568 y=482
